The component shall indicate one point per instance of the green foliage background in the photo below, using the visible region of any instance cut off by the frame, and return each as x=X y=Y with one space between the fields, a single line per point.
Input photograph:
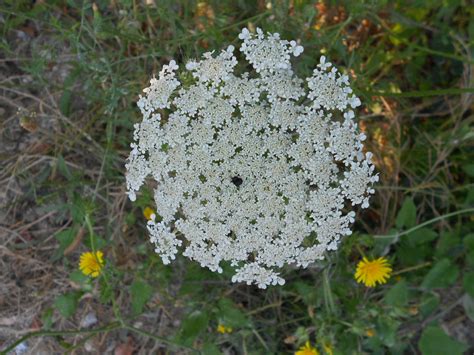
x=412 y=66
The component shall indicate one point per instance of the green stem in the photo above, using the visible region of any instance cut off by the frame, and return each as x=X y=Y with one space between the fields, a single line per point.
x=260 y=339
x=70 y=350
x=423 y=93
x=431 y=221
x=327 y=293
x=257 y=310
x=158 y=338
x=91 y=232
x=107 y=328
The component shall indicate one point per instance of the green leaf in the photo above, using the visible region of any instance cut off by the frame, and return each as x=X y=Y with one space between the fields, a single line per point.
x=434 y=341
x=422 y=235
x=99 y=242
x=470 y=258
x=400 y=348
x=407 y=215
x=347 y=343
x=191 y=284
x=468 y=241
x=387 y=331
x=397 y=295
x=447 y=243
x=140 y=293
x=82 y=280
x=66 y=304
x=65 y=102
x=210 y=349
x=231 y=316
x=443 y=274
x=429 y=303
x=469 y=169
x=106 y=292
x=410 y=255
x=307 y=292
x=47 y=319
x=130 y=218
x=471 y=28
x=193 y=325
x=468 y=283
x=78 y=208
x=469 y=200
x=65 y=238
x=63 y=169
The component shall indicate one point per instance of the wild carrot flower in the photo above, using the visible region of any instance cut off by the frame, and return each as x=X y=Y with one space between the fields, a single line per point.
x=223 y=329
x=307 y=349
x=252 y=169
x=372 y=272
x=90 y=264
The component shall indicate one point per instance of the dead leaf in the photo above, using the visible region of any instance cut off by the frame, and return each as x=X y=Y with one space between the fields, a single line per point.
x=29 y=30
x=291 y=339
x=30 y=123
x=125 y=348
x=36 y=324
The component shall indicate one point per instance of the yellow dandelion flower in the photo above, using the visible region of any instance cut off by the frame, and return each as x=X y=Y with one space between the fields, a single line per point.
x=370 y=333
x=147 y=212
x=223 y=329
x=91 y=264
x=307 y=349
x=373 y=271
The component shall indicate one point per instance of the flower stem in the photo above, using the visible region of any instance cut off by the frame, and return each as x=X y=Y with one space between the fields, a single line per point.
x=431 y=221
x=158 y=338
x=411 y=268
x=360 y=250
x=104 y=273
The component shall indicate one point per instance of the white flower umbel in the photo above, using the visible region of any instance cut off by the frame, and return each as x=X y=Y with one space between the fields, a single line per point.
x=253 y=169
